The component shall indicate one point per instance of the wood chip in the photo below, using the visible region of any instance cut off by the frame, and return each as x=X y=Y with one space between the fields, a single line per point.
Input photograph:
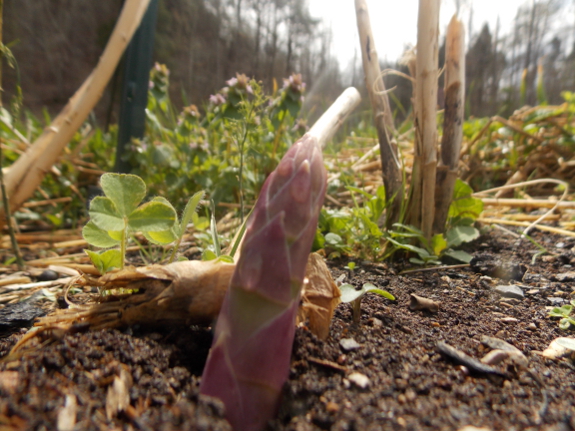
x=67 y=414
x=118 y=397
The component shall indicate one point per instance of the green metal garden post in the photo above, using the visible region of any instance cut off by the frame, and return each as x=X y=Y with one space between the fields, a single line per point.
x=134 y=93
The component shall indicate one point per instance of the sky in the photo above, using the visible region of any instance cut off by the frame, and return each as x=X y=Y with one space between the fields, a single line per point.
x=397 y=26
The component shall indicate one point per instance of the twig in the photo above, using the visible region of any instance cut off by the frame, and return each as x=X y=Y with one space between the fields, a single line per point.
x=488 y=220
x=530 y=183
x=434 y=268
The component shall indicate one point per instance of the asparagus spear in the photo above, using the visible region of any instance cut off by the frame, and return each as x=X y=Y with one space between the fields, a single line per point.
x=250 y=356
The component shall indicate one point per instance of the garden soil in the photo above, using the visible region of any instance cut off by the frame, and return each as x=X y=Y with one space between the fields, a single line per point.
x=392 y=371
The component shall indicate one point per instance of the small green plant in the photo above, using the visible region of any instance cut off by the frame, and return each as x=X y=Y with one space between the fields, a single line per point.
x=564 y=312
x=349 y=294
x=350 y=266
x=114 y=216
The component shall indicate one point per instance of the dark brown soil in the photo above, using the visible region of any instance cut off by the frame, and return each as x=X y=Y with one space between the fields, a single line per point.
x=410 y=385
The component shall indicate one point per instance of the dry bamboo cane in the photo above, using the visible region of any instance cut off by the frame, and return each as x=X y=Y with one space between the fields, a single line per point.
x=422 y=193
x=26 y=174
x=452 y=122
x=382 y=118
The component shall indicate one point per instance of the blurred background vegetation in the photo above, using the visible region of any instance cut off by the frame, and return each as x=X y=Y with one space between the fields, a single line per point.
x=205 y=42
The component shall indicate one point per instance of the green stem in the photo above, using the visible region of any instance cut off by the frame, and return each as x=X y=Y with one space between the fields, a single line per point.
x=176 y=247
x=241 y=173
x=356 y=309
x=123 y=242
x=8 y=216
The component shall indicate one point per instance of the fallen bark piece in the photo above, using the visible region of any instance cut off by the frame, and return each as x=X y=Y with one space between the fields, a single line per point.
x=18 y=315
x=421 y=303
x=320 y=296
x=464 y=359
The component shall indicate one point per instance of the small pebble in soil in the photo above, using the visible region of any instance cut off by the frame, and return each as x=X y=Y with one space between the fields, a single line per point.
x=555 y=301
x=359 y=379
x=510 y=291
x=48 y=275
x=349 y=344
x=564 y=276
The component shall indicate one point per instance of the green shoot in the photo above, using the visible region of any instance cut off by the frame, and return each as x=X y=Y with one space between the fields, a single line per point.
x=564 y=312
x=350 y=294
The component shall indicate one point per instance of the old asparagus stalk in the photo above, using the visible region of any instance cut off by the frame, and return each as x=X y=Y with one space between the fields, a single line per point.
x=422 y=193
x=250 y=356
x=452 y=122
x=382 y=117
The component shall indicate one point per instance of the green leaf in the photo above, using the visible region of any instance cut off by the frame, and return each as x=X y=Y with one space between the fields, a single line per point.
x=106 y=260
x=438 y=244
x=368 y=287
x=460 y=234
x=568 y=343
x=463 y=203
x=214 y=230
x=161 y=238
x=208 y=254
x=459 y=255
x=190 y=209
x=333 y=239
x=104 y=214
x=422 y=253
x=563 y=311
x=226 y=258
x=96 y=260
x=348 y=293
x=98 y=237
x=200 y=223
x=153 y=216
x=125 y=190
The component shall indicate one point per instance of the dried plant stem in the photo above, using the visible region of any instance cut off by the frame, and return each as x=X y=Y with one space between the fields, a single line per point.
x=489 y=220
x=452 y=123
x=329 y=122
x=383 y=121
x=421 y=208
x=533 y=203
x=532 y=183
x=27 y=172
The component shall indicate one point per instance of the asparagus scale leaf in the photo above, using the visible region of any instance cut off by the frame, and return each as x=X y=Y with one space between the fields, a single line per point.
x=250 y=356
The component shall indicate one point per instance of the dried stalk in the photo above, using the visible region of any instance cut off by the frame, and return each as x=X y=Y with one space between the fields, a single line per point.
x=26 y=174
x=325 y=127
x=452 y=122
x=421 y=209
x=382 y=118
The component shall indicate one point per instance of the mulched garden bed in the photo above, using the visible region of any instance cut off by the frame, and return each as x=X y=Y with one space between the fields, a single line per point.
x=391 y=376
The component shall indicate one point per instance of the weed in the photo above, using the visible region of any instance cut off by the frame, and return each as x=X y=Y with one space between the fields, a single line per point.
x=564 y=312
x=350 y=294
x=114 y=216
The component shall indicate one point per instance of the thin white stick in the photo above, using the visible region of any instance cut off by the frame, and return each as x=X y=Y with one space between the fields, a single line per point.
x=324 y=128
